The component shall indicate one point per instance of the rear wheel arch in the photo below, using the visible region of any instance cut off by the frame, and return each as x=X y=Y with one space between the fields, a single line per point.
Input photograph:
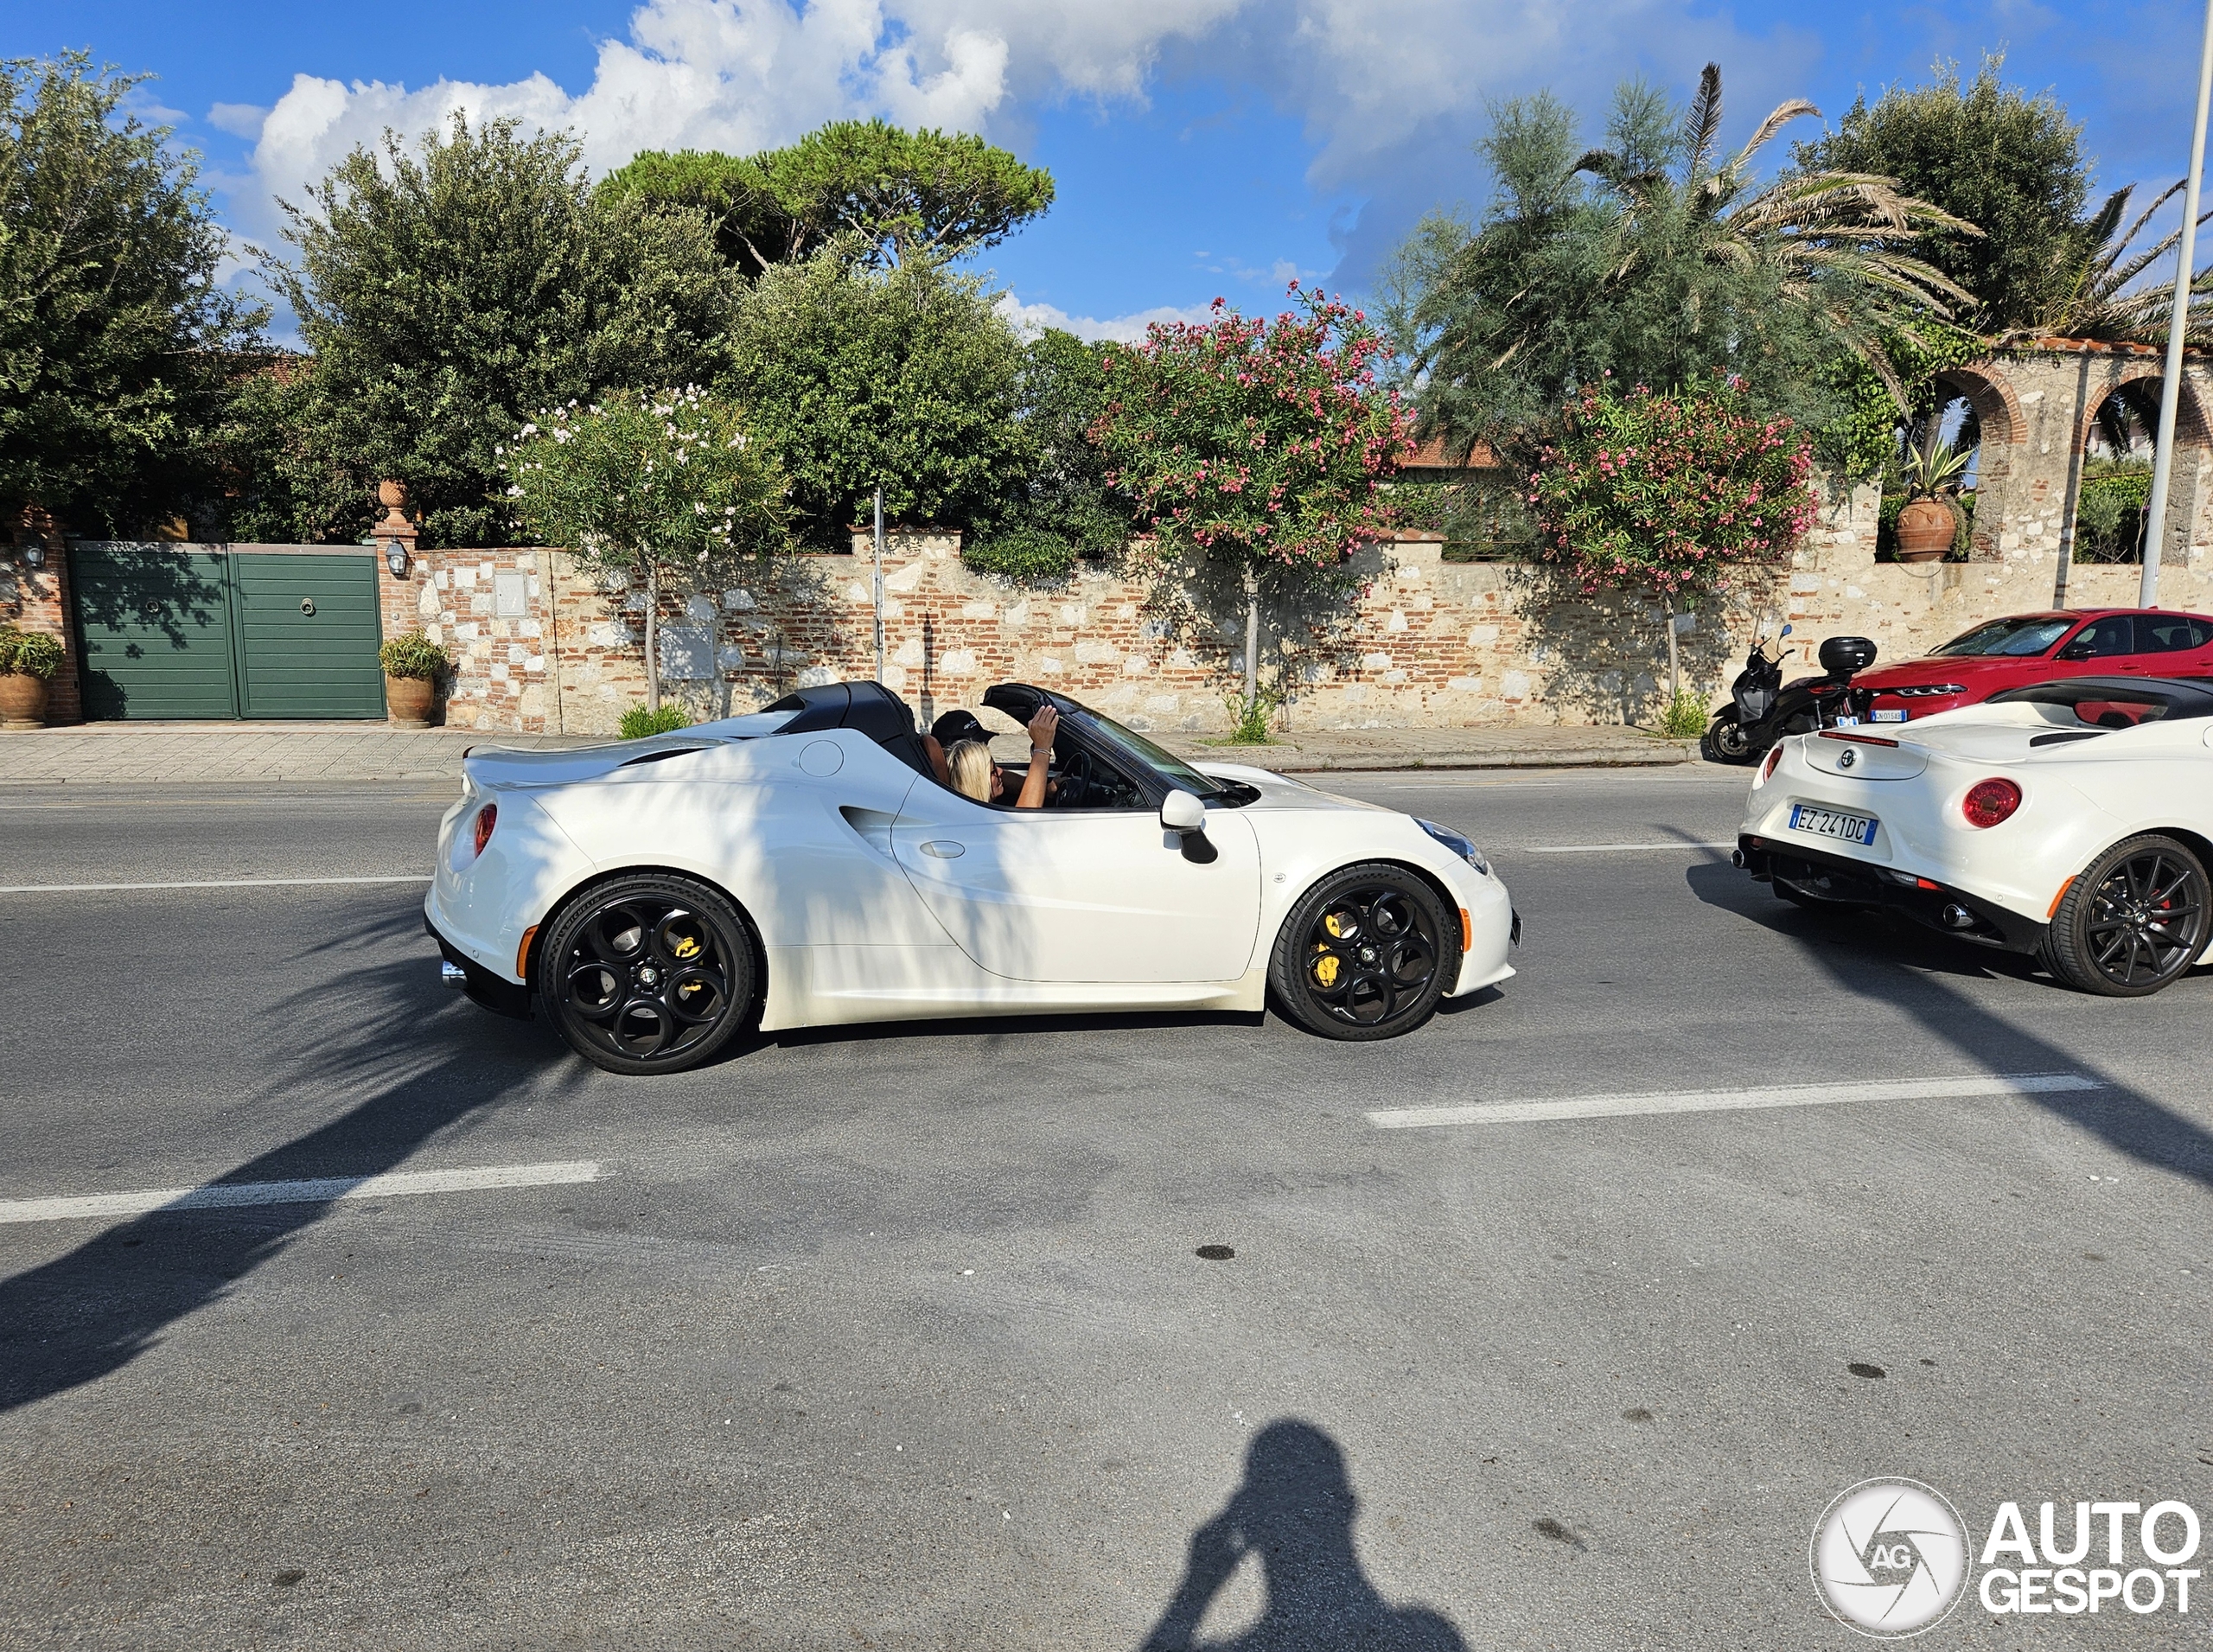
x=583 y=889
x=2069 y=948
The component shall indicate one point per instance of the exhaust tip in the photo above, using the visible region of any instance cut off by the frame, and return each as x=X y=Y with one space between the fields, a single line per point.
x=452 y=975
x=1955 y=917
x=1735 y=857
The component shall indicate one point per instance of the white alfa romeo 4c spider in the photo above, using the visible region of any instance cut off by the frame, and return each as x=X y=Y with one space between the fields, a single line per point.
x=2071 y=819
x=802 y=866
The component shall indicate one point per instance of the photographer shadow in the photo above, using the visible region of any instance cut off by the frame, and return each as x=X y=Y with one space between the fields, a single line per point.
x=1294 y=1515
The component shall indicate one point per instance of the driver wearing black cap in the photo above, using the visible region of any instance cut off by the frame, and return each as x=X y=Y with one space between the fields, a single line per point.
x=955 y=727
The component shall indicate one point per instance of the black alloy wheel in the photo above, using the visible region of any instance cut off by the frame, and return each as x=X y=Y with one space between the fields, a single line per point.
x=1725 y=741
x=2132 y=922
x=649 y=973
x=1367 y=954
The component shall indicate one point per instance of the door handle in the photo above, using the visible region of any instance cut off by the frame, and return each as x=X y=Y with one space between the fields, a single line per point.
x=944 y=848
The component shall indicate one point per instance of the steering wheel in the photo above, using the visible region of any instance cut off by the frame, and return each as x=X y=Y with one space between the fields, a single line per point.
x=1076 y=780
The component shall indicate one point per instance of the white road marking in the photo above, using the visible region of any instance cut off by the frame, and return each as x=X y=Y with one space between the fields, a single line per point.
x=216 y=1196
x=209 y=883
x=1614 y=848
x=1782 y=1095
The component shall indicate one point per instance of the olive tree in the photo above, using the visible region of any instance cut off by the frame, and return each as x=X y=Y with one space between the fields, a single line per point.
x=668 y=489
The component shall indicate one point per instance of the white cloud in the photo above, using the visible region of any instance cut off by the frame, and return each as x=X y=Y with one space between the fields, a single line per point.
x=1389 y=92
x=239 y=119
x=1029 y=320
x=727 y=74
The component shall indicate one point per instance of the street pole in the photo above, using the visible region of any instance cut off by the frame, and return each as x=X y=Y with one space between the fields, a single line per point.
x=879 y=570
x=2163 y=460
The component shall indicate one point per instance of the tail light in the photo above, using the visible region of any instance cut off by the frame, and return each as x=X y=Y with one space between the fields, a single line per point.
x=486 y=818
x=1989 y=801
x=1769 y=763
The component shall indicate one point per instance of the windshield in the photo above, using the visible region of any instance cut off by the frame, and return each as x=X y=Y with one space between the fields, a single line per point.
x=1164 y=763
x=2016 y=637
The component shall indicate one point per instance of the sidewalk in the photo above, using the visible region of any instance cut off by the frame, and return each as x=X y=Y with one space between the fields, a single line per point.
x=142 y=754
x=1502 y=748
x=184 y=753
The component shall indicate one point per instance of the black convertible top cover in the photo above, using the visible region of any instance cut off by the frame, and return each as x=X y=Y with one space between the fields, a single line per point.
x=865 y=707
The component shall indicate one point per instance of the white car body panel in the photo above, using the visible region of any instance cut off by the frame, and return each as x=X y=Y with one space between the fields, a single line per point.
x=819 y=838
x=2078 y=797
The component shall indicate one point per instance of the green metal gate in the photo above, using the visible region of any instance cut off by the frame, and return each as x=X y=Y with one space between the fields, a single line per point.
x=307 y=634
x=184 y=632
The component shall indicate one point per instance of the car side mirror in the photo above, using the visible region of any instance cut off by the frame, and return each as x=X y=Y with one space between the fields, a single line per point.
x=2079 y=649
x=1183 y=814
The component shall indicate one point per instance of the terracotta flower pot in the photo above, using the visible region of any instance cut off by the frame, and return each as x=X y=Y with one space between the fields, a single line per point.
x=1926 y=529
x=23 y=700
x=409 y=699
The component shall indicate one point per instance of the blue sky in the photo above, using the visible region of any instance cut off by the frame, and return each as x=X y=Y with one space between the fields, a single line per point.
x=1201 y=147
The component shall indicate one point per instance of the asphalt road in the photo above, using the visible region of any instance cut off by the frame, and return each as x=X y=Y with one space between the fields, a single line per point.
x=900 y=1338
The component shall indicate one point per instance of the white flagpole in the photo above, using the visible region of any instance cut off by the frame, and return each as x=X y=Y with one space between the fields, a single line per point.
x=2155 y=509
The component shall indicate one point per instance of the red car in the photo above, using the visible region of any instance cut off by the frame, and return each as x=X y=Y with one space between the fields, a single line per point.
x=2035 y=647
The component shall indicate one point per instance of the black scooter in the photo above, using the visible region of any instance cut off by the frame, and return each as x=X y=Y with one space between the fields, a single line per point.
x=1763 y=709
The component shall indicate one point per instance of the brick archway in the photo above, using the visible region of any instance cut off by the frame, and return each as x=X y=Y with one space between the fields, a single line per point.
x=1989 y=392
x=2191 y=428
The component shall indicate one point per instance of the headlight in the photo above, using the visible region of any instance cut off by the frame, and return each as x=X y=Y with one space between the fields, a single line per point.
x=1925 y=691
x=1458 y=845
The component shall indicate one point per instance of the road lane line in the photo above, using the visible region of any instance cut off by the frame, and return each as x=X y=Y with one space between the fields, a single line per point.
x=209 y=883
x=1614 y=848
x=1780 y=1095
x=218 y=1196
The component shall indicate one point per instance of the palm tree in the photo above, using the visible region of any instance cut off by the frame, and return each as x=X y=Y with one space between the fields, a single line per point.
x=1656 y=260
x=2099 y=304
x=1831 y=243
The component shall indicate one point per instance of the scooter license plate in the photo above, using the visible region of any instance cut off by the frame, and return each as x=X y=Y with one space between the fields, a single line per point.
x=1827 y=823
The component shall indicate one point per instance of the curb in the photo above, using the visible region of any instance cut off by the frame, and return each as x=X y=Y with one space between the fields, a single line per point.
x=1661 y=756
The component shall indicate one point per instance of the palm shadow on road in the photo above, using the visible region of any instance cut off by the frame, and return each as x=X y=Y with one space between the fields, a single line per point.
x=1293 y=1514
x=369 y=1027
x=1868 y=961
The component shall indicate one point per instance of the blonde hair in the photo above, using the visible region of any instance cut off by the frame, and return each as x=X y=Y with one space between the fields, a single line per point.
x=969 y=766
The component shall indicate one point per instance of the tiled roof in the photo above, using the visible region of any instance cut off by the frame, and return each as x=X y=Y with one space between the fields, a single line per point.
x=1430 y=456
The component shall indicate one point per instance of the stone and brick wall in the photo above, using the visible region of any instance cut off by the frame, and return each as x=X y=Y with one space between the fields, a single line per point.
x=1432 y=643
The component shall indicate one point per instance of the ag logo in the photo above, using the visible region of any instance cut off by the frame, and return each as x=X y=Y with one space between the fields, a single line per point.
x=1890 y=1557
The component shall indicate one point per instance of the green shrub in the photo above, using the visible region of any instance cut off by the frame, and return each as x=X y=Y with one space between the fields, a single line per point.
x=1249 y=717
x=414 y=655
x=1026 y=555
x=28 y=653
x=1683 y=718
x=2109 y=512
x=638 y=723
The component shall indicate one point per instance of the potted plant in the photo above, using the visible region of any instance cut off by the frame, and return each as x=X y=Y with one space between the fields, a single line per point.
x=412 y=665
x=1930 y=521
x=27 y=659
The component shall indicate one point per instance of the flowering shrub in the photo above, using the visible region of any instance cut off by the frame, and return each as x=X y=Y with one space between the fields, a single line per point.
x=1261 y=442
x=1669 y=492
x=668 y=487
x=1258 y=443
